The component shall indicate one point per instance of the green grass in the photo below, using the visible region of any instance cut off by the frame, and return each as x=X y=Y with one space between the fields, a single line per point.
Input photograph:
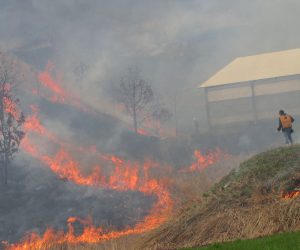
x=269 y=171
x=288 y=241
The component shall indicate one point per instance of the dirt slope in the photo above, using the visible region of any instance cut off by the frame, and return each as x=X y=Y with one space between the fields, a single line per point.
x=247 y=203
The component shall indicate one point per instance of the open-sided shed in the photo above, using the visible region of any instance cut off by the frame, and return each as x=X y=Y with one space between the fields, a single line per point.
x=254 y=88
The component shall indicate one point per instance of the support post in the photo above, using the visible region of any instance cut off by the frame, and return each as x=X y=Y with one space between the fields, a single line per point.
x=207 y=108
x=253 y=102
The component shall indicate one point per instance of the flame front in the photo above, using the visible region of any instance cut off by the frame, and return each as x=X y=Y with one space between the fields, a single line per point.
x=50 y=80
x=120 y=175
x=124 y=176
x=47 y=80
x=291 y=195
x=203 y=161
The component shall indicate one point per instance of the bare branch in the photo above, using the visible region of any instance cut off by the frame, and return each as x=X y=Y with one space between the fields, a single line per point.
x=11 y=119
x=136 y=95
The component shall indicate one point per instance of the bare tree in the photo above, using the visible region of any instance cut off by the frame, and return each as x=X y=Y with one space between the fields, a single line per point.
x=11 y=119
x=137 y=96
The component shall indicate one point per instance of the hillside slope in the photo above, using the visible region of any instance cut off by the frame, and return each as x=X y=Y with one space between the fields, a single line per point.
x=250 y=202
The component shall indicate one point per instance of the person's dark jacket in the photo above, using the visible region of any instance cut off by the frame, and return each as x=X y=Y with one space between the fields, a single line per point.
x=280 y=127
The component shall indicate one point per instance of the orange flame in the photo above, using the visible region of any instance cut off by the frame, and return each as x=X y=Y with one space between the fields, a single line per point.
x=9 y=104
x=203 y=161
x=50 y=79
x=125 y=176
x=291 y=194
x=141 y=131
x=11 y=107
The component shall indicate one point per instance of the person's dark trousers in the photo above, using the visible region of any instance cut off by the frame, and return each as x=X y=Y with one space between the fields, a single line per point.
x=287 y=133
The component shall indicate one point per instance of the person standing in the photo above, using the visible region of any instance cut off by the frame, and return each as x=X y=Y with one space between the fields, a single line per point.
x=285 y=125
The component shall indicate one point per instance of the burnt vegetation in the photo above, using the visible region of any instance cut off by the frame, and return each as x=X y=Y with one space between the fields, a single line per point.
x=24 y=207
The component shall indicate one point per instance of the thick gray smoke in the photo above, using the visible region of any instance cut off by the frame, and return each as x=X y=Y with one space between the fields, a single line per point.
x=177 y=44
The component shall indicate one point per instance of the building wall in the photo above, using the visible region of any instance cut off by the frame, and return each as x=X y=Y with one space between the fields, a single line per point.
x=253 y=101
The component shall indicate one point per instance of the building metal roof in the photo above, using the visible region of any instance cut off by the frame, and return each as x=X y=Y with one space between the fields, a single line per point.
x=257 y=67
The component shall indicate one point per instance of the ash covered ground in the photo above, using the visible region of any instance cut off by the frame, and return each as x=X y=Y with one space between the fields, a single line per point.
x=37 y=199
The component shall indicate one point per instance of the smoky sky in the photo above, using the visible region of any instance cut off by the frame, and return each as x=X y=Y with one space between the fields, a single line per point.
x=177 y=44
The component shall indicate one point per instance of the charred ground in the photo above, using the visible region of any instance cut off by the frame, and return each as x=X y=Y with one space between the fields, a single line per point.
x=36 y=199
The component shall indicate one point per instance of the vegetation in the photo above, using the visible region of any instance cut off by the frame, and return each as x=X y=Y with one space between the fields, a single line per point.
x=136 y=95
x=248 y=203
x=270 y=172
x=139 y=100
x=11 y=120
x=286 y=241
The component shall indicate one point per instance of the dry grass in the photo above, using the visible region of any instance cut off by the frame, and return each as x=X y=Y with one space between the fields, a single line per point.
x=123 y=243
x=216 y=224
x=186 y=188
x=245 y=204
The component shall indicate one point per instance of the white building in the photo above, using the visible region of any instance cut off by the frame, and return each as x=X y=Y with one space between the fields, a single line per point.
x=254 y=88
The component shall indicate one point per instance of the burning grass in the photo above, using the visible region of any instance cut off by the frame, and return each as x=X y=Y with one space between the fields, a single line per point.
x=124 y=177
x=248 y=203
x=120 y=175
x=103 y=171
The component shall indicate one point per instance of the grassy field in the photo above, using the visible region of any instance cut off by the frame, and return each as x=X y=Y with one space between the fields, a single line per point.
x=286 y=241
x=248 y=203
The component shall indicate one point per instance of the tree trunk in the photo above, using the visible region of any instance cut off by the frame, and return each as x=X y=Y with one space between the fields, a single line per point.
x=134 y=109
x=2 y=171
x=5 y=171
x=135 y=122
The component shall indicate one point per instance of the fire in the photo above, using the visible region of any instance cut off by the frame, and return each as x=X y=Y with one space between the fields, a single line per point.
x=51 y=80
x=33 y=124
x=142 y=131
x=294 y=190
x=9 y=104
x=291 y=194
x=29 y=147
x=108 y=171
x=203 y=161
x=10 y=107
x=124 y=176
x=120 y=174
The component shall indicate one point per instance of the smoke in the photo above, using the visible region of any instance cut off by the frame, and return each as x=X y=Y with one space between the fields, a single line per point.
x=177 y=44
